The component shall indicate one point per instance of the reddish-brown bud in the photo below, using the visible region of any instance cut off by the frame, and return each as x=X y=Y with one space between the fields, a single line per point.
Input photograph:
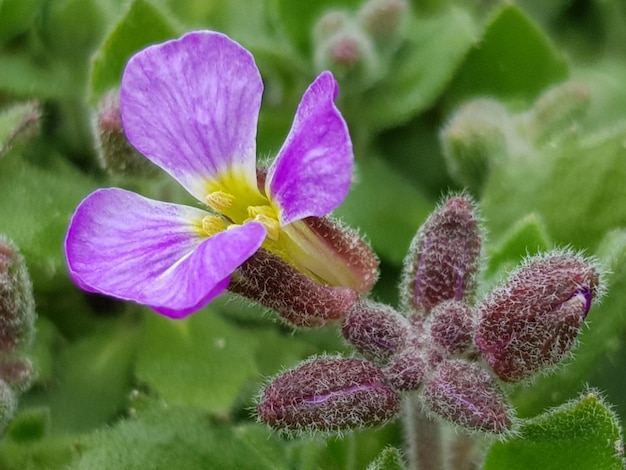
x=17 y=306
x=116 y=154
x=17 y=372
x=377 y=331
x=406 y=371
x=267 y=279
x=444 y=257
x=450 y=327
x=328 y=394
x=465 y=394
x=531 y=322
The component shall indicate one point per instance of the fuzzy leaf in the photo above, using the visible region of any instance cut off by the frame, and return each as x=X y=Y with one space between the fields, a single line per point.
x=199 y=361
x=514 y=59
x=389 y=459
x=386 y=207
x=581 y=435
x=435 y=48
x=35 y=208
x=182 y=439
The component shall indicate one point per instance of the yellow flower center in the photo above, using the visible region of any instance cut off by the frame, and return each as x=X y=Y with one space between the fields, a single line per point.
x=235 y=203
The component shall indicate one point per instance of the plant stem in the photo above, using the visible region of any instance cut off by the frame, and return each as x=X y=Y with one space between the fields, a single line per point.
x=423 y=437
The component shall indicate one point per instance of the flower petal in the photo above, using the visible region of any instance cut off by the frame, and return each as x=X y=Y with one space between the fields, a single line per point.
x=124 y=245
x=191 y=106
x=313 y=170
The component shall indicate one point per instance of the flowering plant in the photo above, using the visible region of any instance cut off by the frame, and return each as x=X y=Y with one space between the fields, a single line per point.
x=224 y=242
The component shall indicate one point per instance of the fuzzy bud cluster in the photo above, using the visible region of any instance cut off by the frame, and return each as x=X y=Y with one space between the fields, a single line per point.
x=355 y=46
x=452 y=354
x=17 y=327
x=19 y=124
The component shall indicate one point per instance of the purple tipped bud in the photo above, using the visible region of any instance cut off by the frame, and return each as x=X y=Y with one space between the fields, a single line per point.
x=465 y=394
x=451 y=327
x=116 y=154
x=407 y=370
x=377 y=331
x=267 y=279
x=443 y=258
x=531 y=322
x=17 y=306
x=328 y=395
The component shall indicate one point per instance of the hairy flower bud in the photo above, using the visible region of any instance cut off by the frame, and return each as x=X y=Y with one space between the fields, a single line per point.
x=531 y=322
x=476 y=137
x=18 y=124
x=267 y=279
x=328 y=394
x=406 y=371
x=382 y=18
x=450 y=327
x=443 y=258
x=465 y=394
x=17 y=306
x=377 y=331
x=558 y=108
x=116 y=154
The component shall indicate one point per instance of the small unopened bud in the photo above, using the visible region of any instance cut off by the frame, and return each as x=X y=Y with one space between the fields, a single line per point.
x=382 y=18
x=443 y=258
x=116 y=154
x=19 y=124
x=328 y=394
x=477 y=136
x=465 y=394
x=377 y=331
x=558 y=108
x=406 y=371
x=530 y=323
x=17 y=306
x=8 y=405
x=331 y=22
x=350 y=55
x=267 y=279
x=451 y=326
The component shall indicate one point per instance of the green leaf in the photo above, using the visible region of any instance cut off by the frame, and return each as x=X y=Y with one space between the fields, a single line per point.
x=527 y=237
x=580 y=435
x=576 y=187
x=604 y=335
x=389 y=459
x=200 y=361
x=386 y=207
x=92 y=379
x=434 y=49
x=141 y=25
x=182 y=439
x=35 y=209
x=514 y=60
x=17 y=16
x=25 y=76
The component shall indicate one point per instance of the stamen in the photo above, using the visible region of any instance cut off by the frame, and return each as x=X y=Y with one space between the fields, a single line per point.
x=267 y=216
x=220 y=201
x=213 y=224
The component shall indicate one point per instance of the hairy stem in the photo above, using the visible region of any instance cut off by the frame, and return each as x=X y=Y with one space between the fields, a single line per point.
x=423 y=437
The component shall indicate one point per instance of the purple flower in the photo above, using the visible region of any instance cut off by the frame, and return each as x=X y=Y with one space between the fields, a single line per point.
x=191 y=106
